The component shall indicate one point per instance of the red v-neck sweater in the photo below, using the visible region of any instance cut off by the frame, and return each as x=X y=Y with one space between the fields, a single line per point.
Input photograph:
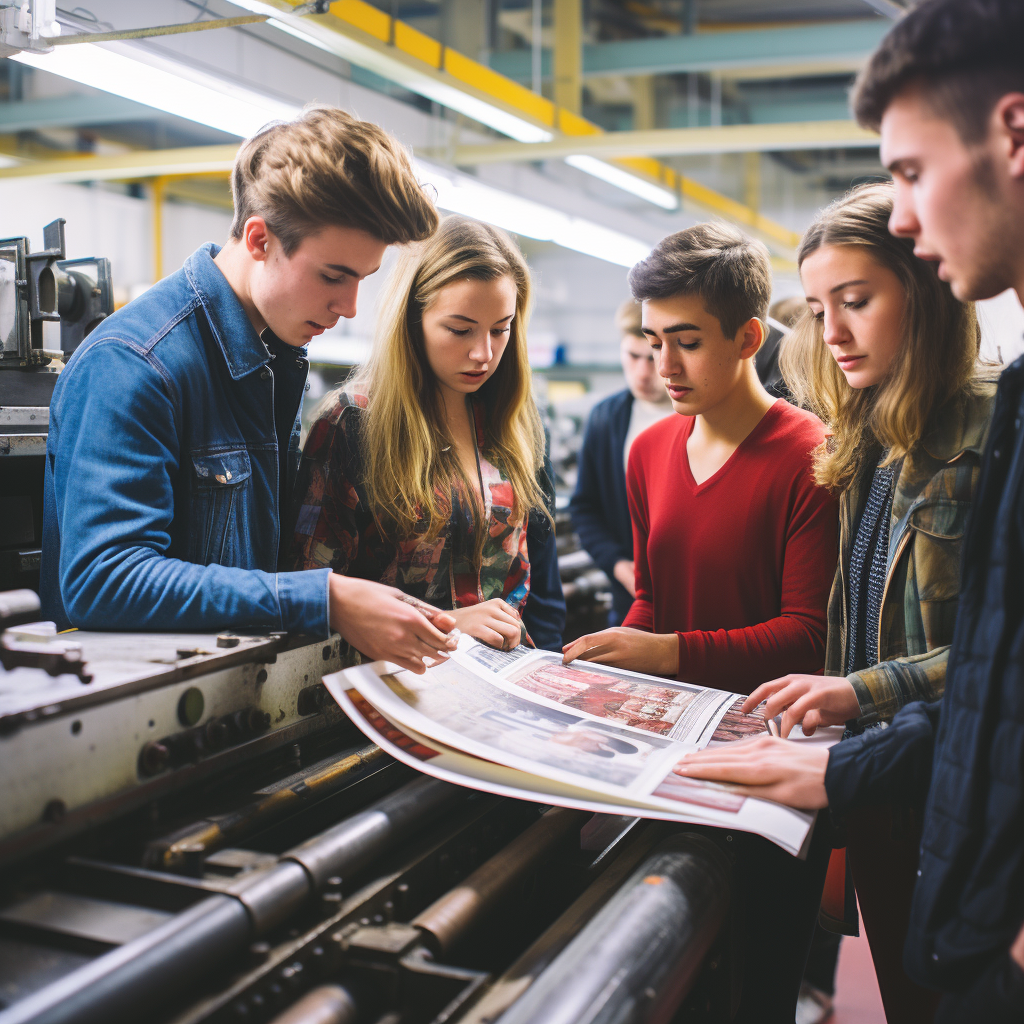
x=740 y=566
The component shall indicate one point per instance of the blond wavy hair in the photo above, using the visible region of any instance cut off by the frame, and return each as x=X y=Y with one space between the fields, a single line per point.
x=934 y=368
x=409 y=454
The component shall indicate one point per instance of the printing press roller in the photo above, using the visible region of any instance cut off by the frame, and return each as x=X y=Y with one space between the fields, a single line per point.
x=191 y=831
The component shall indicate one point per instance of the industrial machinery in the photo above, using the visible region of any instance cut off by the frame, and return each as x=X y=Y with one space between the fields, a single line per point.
x=191 y=831
x=48 y=304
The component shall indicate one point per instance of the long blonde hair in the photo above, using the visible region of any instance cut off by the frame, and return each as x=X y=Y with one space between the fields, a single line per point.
x=935 y=365
x=408 y=452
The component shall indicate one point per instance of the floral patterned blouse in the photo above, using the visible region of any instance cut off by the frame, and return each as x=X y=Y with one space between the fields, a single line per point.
x=335 y=527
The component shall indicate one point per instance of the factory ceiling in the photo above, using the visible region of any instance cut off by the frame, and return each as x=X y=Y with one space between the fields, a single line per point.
x=674 y=104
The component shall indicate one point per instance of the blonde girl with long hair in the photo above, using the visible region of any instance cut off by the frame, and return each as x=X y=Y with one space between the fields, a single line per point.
x=426 y=470
x=888 y=360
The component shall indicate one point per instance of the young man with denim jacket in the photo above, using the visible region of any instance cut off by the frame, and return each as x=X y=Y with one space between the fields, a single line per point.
x=946 y=89
x=174 y=428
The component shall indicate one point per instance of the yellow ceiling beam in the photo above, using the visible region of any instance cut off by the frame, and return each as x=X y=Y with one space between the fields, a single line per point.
x=156 y=163
x=372 y=39
x=738 y=138
x=568 y=55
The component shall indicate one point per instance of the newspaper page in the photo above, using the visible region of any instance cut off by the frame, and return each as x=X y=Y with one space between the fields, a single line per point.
x=476 y=704
x=441 y=762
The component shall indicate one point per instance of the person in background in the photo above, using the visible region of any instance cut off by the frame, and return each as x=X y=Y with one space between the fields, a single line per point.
x=174 y=429
x=426 y=471
x=781 y=317
x=735 y=549
x=788 y=311
x=946 y=91
x=599 y=509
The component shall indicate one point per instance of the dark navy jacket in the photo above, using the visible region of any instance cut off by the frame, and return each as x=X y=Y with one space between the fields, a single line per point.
x=544 y=614
x=965 y=757
x=161 y=506
x=599 y=509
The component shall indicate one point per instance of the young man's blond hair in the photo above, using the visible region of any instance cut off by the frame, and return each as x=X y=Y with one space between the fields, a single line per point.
x=328 y=167
x=181 y=412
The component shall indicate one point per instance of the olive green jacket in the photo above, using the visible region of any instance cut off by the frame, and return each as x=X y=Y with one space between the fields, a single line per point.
x=929 y=513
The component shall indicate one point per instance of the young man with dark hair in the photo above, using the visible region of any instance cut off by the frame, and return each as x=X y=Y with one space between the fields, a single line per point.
x=946 y=89
x=599 y=509
x=723 y=491
x=174 y=428
x=735 y=550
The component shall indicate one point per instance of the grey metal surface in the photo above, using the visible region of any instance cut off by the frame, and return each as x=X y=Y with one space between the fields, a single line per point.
x=122 y=984
x=113 y=986
x=84 y=917
x=636 y=960
x=101 y=728
x=354 y=843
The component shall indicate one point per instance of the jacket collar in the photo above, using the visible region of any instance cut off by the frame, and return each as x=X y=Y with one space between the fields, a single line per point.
x=963 y=429
x=240 y=344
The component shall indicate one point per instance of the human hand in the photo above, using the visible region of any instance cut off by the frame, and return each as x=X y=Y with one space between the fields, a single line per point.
x=495 y=622
x=768 y=768
x=625 y=573
x=384 y=624
x=635 y=649
x=808 y=700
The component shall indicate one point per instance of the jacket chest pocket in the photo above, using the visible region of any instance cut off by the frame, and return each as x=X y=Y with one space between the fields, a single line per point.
x=220 y=505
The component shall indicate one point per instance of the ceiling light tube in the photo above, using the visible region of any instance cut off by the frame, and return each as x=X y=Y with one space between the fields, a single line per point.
x=173 y=89
x=616 y=176
x=339 y=45
x=185 y=92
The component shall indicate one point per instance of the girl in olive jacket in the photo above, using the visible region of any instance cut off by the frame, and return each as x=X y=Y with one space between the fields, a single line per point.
x=888 y=359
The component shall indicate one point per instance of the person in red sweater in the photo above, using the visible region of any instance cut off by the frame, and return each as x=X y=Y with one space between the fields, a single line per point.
x=735 y=549
x=735 y=545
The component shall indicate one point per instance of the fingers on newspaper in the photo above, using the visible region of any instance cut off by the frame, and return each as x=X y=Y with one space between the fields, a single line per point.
x=521 y=724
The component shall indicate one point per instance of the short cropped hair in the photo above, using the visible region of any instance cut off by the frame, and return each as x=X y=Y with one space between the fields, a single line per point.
x=628 y=319
x=731 y=273
x=329 y=168
x=962 y=54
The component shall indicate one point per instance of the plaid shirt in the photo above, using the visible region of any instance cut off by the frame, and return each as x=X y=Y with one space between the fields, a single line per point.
x=929 y=512
x=335 y=527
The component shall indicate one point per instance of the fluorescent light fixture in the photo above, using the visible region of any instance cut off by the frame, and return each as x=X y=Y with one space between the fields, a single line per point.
x=460 y=194
x=186 y=93
x=164 y=85
x=623 y=179
x=339 y=45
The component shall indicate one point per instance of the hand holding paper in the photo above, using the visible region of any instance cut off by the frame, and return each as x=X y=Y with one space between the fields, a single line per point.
x=768 y=768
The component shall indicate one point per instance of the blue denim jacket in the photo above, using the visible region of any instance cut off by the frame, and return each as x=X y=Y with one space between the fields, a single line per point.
x=161 y=509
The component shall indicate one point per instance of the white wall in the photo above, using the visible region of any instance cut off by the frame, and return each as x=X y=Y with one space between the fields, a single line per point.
x=103 y=222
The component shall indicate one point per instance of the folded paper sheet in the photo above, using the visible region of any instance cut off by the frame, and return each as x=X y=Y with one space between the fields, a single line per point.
x=522 y=724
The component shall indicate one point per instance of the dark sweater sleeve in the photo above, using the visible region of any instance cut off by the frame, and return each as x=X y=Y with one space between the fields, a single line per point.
x=544 y=614
x=794 y=640
x=589 y=503
x=997 y=997
x=891 y=765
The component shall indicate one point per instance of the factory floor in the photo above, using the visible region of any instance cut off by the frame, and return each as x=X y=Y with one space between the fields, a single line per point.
x=857 y=999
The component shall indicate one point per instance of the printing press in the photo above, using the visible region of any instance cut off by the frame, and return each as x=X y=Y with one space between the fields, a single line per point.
x=192 y=831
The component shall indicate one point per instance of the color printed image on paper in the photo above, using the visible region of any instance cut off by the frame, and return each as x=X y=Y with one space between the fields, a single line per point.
x=479 y=711
x=632 y=702
x=737 y=726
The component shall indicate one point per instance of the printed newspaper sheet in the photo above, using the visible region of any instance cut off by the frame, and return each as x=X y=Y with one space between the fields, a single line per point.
x=522 y=724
